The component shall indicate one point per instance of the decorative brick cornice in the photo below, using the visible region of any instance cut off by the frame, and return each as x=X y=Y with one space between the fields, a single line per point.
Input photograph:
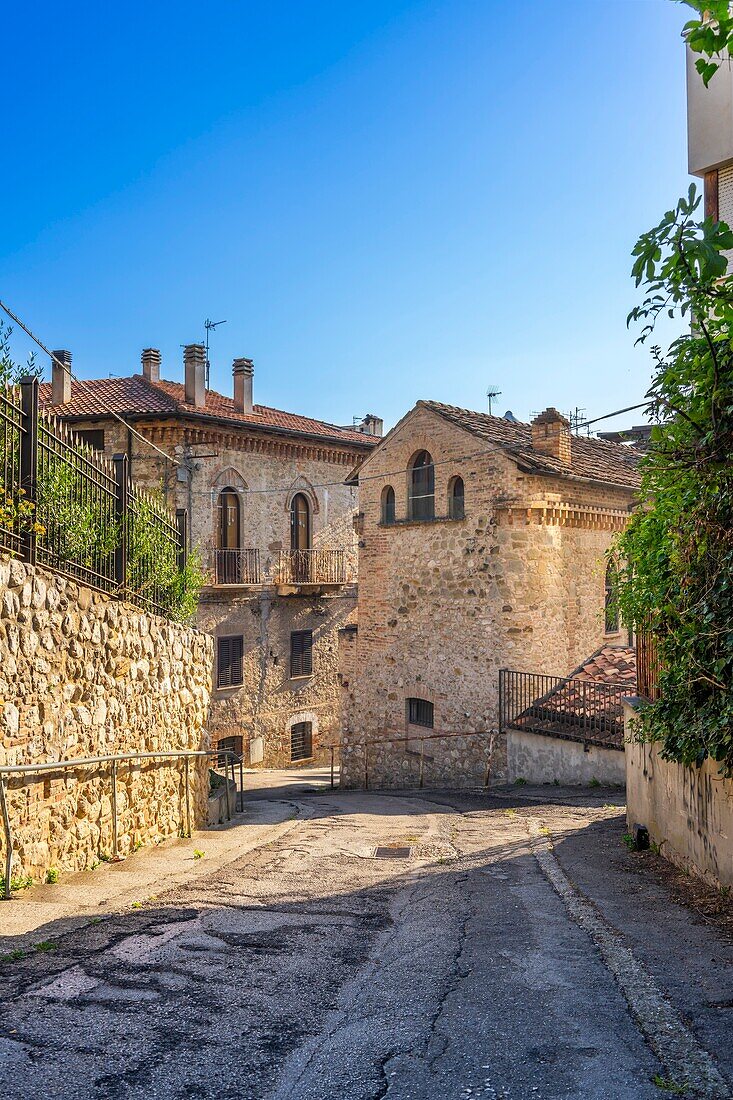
x=560 y=514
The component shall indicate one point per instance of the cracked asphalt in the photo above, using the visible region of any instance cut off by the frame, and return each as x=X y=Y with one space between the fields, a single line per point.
x=514 y=954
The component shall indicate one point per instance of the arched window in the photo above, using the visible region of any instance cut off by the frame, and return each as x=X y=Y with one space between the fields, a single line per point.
x=388 y=504
x=300 y=523
x=229 y=519
x=455 y=498
x=612 y=611
x=421 y=490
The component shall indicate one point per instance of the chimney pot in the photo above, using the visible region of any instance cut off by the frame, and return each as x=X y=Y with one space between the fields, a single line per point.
x=61 y=378
x=551 y=436
x=194 y=364
x=151 y=359
x=243 y=371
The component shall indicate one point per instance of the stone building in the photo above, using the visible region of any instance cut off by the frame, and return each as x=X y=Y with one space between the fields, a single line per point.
x=273 y=519
x=482 y=546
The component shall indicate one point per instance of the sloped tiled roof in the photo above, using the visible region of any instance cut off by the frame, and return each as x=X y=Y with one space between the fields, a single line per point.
x=592 y=459
x=137 y=396
x=576 y=713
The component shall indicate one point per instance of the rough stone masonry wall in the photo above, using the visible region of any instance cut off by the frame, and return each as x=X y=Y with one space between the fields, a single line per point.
x=264 y=708
x=444 y=605
x=82 y=674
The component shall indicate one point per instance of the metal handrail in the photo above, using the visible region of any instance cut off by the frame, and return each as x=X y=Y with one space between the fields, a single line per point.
x=403 y=738
x=230 y=757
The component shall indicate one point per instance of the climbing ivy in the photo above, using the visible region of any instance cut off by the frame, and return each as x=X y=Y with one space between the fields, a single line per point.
x=676 y=575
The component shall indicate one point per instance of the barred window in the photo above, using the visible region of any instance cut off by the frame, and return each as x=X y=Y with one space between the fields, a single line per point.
x=301 y=741
x=229 y=669
x=301 y=653
x=420 y=712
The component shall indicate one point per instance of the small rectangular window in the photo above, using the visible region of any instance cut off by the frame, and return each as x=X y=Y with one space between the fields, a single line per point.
x=301 y=653
x=420 y=712
x=229 y=669
x=93 y=437
x=301 y=741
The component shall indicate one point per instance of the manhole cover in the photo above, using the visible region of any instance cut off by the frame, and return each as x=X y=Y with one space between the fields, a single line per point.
x=392 y=852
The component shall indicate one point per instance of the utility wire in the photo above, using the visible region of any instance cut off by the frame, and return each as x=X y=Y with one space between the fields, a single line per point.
x=83 y=384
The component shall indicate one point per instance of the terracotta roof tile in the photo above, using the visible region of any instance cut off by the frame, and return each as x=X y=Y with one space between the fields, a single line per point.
x=575 y=713
x=593 y=459
x=137 y=396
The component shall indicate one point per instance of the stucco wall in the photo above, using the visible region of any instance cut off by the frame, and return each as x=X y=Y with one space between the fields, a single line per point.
x=443 y=605
x=540 y=759
x=84 y=675
x=688 y=811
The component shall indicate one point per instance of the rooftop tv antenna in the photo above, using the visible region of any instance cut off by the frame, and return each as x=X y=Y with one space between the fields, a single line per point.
x=492 y=393
x=210 y=326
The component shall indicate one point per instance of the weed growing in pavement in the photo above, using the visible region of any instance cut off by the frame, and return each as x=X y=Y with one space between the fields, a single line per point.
x=136 y=905
x=610 y=806
x=52 y=876
x=510 y=813
x=198 y=854
x=13 y=956
x=96 y=920
x=656 y=848
x=668 y=1084
x=520 y=781
x=629 y=841
x=45 y=945
x=544 y=830
x=594 y=782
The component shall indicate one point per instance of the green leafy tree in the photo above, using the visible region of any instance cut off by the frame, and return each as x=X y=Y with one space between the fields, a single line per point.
x=678 y=550
x=710 y=35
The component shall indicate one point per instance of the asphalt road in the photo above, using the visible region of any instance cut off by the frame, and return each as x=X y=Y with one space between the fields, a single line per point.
x=509 y=954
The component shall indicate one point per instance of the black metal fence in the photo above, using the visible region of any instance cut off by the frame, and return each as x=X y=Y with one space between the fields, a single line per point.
x=67 y=507
x=573 y=709
x=12 y=504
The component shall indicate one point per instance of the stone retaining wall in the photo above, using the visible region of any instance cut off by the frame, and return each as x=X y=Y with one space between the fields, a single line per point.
x=82 y=674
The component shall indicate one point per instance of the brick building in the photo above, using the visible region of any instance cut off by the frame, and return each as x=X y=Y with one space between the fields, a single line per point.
x=272 y=517
x=482 y=546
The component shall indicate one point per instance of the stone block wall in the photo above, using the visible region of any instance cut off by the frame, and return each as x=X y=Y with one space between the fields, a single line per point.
x=444 y=604
x=81 y=675
x=269 y=701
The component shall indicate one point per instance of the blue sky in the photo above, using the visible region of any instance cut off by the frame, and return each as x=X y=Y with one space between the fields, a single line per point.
x=387 y=201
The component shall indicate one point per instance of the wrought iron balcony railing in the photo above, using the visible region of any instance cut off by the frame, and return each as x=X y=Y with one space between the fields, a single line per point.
x=310 y=567
x=236 y=567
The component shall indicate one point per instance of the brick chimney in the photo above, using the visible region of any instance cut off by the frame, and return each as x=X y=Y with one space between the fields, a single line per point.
x=61 y=378
x=243 y=371
x=551 y=435
x=194 y=363
x=150 y=359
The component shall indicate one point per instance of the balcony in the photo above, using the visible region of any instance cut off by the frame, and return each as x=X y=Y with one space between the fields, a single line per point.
x=236 y=567
x=292 y=569
x=312 y=567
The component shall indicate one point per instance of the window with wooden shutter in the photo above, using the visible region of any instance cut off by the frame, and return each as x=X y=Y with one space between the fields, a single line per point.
x=229 y=651
x=301 y=653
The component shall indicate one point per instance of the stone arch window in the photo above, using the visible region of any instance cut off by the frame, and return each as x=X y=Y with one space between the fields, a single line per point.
x=300 y=522
x=456 y=498
x=388 y=504
x=612 y=619
x=421 y=487
x=229 y=519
